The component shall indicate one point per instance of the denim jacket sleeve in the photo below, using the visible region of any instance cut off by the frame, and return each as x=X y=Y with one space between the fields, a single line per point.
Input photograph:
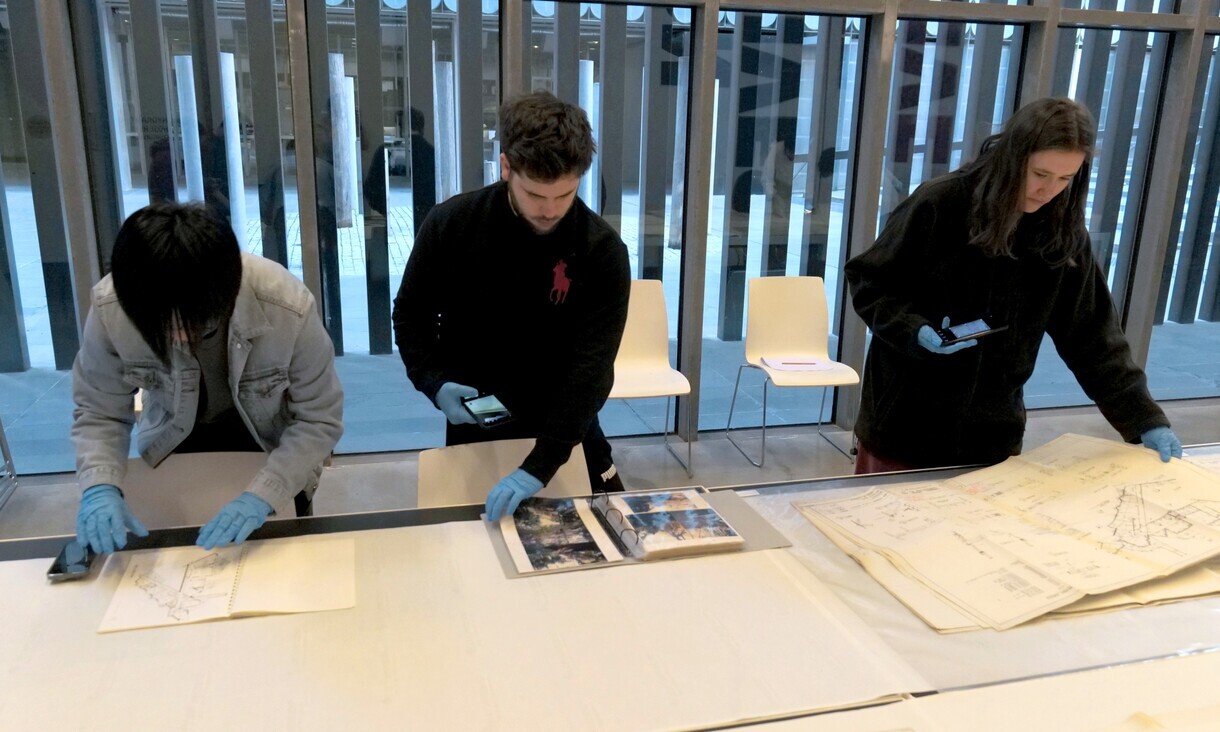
x=311 y=416
x=104 y=405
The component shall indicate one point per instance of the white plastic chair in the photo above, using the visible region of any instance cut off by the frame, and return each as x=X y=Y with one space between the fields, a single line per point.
x=788 y=323
x=460 y=475
x=642 y=368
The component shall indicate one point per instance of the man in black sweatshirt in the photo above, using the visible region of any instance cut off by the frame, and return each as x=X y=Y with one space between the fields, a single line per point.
x=520 y=291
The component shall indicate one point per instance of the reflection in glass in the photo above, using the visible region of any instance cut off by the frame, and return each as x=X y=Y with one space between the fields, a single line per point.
x=1116 y=74
x=1181 y=363
x=628 y=67
x=787 y=89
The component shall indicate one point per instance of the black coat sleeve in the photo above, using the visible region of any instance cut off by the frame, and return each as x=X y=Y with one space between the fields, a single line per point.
x=581 y=390
x=417 y=308
x=887 y=280
x=1085 y=328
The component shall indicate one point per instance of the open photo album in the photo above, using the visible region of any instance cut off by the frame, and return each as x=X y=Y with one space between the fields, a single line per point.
x=555 y=534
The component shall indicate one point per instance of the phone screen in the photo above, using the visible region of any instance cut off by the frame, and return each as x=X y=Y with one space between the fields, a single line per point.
x=74 y=562
x=487 y=409
x=965 y=330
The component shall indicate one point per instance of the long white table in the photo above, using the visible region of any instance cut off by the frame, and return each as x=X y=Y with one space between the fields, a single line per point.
x=440 y=639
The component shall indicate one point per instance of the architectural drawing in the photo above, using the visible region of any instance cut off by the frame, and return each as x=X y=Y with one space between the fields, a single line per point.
x=204 y=585
x=1005 y=544
x=180 y=585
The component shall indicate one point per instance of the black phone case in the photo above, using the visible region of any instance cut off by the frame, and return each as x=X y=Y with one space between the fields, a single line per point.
x=947 y=338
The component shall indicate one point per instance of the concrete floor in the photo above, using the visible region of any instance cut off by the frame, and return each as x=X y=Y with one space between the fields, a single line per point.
x=45 y=505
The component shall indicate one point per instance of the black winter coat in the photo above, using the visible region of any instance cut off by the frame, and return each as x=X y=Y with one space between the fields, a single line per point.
x=929 y=410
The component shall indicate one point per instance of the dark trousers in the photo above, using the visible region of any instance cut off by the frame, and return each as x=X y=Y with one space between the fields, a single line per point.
x=229 y=434
x=595 y=445
x=869 y=462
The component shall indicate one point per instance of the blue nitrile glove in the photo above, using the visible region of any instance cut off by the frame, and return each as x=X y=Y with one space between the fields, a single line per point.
x=1164 y=441
x=104 y=519
x=449 y=399
x=510 y=492
x=931 y=340
x=235 y=521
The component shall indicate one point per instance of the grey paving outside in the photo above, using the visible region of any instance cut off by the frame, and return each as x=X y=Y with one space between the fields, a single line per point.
x=384 y=413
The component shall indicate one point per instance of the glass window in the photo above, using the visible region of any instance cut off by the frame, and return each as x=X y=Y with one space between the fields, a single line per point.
x=1116 y=74
x=628 y=67
x=1182 y=355
x=787 y=94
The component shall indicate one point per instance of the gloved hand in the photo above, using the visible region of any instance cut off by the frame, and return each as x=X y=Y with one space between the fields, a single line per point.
x=104 y=519
x=449 y=399
x=235 y=521
x=931 y=340
x=1164 y=441
x=509 y=493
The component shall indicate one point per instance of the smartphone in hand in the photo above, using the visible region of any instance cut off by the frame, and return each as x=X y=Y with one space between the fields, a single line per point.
x=75 y=561
x=966 y=331
x=487 y=410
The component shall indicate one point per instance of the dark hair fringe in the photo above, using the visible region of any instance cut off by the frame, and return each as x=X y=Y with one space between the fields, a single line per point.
x=996 y=211
x=174 y=266
x=545 y=138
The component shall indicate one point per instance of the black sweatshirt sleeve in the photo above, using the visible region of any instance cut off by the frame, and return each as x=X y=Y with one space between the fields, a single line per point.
x=1085 y=328
x=582 y=389
x=884 y=277
x=416 y=310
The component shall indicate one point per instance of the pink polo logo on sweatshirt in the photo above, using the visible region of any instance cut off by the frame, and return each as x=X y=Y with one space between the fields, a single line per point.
x=561 y=283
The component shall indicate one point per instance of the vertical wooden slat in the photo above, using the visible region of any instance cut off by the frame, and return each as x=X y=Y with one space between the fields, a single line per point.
x=320 y=94
x=373 y=168
x=152 y=87
x=33 y=93
x=780 y=154
x=740 y=131
x=469 y=61
x=268 y=155
x=421 y=109
x=610 y=146
x=660 y=81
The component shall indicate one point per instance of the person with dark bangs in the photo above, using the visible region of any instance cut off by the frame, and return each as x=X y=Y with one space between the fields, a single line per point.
x=231 y=355
x=1002 y=240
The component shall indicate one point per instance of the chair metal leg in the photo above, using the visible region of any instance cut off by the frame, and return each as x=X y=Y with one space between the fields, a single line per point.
x=665 y=436
x=821 y=410
x=728 y=425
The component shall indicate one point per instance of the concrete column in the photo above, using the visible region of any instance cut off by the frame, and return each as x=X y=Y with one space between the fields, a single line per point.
x=446 y=123
x=341 y=140
x=232 y=124
x=189 y=118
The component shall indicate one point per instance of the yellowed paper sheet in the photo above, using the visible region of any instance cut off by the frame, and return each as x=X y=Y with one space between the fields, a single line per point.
x=1009 y=543
x=190 y=585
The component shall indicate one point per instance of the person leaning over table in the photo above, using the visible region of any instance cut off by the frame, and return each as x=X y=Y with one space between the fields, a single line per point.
x=520 y=291
x=232 y=356
x=1002 y=239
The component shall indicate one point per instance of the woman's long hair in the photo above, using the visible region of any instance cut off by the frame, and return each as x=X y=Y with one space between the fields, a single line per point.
x=176 y=270
x=1045 y=124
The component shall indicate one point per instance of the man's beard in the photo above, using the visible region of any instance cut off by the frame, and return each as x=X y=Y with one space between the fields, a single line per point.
x=516 y=207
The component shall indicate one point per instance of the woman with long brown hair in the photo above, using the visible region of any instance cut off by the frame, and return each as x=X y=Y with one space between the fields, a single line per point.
x=1001 y=240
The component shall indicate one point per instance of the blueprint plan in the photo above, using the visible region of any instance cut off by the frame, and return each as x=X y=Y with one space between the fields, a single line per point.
x=1002 y=545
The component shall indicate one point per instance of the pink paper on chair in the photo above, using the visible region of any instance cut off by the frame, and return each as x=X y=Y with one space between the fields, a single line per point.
x=795 y=363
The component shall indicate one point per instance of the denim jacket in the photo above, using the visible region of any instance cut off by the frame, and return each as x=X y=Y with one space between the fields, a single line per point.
x=281 y=375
